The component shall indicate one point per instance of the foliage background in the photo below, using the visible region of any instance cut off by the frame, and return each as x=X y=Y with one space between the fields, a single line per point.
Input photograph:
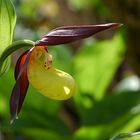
x=106 y=69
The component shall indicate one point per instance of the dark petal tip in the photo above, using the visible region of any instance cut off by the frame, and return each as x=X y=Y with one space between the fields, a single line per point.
x=14 y=100
x=117 y=25
x=13 y=119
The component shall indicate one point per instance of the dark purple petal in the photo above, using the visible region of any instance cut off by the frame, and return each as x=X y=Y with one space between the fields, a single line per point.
x=21 y=86
x=69 y=34
x=14 y=101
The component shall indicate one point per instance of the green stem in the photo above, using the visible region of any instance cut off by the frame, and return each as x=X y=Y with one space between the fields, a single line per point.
x=13 y=47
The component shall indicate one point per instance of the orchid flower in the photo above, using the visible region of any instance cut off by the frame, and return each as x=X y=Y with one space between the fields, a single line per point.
x=35 y=66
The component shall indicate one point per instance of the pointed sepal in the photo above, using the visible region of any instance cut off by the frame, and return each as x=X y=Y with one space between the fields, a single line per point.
x=21 y=86
x=67 y=34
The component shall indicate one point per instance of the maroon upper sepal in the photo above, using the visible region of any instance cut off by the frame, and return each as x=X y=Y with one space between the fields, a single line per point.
x=67 y=34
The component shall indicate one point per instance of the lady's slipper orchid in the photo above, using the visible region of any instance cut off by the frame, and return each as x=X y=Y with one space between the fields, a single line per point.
x=35 y=66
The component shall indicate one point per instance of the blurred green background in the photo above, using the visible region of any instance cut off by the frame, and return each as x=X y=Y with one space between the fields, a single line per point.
x=106 y=68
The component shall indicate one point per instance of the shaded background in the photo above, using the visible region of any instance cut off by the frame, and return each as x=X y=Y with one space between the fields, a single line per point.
x=106 y=68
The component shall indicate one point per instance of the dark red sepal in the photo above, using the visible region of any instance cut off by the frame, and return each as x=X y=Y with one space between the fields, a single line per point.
x=21 y=86
x=69 y=34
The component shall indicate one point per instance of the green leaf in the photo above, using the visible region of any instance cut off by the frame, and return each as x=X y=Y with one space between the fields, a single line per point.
x=7 y=24
x=110 y=116
x=38 y=133
x=62 y=62
x=96 y=65
x=127 y=136
x=13 y=47
x=79 y=4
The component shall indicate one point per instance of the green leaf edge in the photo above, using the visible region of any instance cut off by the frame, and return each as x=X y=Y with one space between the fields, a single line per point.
x=6 y=65
x=13 y=47
x=11 y=13
x=125 y=135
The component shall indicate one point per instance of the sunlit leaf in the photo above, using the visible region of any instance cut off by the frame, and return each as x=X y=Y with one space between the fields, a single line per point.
x=63 y=62
x=7 y=24
x=127 y=136
x=110 y=116
x=96 y=64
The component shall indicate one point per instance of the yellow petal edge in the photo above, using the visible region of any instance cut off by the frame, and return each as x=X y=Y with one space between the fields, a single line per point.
x=50 y=82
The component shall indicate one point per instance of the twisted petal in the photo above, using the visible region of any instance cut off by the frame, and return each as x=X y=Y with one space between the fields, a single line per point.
x=69 y=34
x=21 y=86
